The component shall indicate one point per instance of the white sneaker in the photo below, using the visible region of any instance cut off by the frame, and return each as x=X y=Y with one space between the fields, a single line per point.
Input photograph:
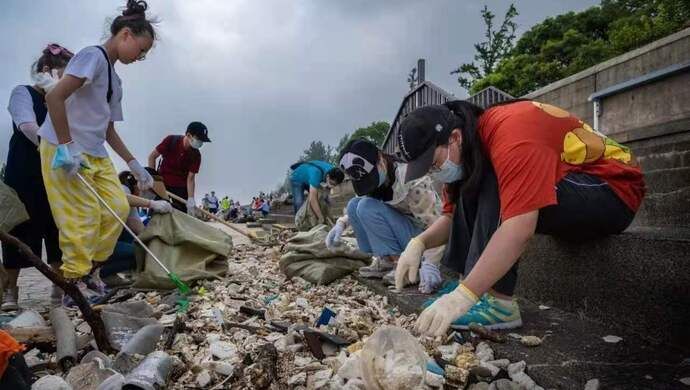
x=389 y=278
x=377 y=269
x=9 y=299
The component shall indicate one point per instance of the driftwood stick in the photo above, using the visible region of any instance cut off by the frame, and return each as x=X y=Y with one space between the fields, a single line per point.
x=90 y=316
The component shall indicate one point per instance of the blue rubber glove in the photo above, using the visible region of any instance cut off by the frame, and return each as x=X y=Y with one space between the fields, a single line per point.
x=333 y=237
x=68 y=158
x=429 y=277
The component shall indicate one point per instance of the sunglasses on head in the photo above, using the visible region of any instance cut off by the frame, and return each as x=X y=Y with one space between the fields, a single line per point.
x=56 y=49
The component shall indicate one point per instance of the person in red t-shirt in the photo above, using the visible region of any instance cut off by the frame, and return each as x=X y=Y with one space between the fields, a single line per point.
x=512 y=170
x=180 y=163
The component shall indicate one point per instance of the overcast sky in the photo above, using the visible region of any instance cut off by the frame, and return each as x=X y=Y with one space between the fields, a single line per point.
x=266 y=77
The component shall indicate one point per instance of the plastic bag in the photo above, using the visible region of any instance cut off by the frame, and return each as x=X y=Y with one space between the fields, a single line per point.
x=393 y=359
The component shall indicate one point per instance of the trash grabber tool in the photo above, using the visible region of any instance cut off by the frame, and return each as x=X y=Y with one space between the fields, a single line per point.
x=215 y=218
x=184 y=289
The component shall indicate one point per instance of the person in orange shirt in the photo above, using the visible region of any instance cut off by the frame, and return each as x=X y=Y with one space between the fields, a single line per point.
x=510 y=171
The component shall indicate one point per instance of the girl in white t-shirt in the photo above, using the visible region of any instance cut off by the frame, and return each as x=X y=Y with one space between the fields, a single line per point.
x=23 y=172
x=82 y=108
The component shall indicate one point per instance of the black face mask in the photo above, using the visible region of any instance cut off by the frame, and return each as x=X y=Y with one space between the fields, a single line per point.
x=385 y=191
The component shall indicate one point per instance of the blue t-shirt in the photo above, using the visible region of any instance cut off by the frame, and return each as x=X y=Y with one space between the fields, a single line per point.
x=309 y=173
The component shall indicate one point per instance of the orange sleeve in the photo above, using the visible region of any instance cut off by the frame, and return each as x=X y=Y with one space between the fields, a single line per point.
x=447 y=206
x=526 y=176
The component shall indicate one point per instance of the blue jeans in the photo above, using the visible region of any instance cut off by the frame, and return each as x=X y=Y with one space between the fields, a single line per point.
x=297 y=195
x=121 y=260
x=380 y=229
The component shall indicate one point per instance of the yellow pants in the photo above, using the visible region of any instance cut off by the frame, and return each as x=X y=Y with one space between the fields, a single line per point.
x=88 y=232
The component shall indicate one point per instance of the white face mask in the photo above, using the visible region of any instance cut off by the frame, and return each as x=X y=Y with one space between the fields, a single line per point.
x=449 y=172
x=47 y=81
x=195 y=143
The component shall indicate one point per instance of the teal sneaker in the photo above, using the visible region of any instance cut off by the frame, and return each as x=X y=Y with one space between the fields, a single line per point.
x=491 y=314
x=447 y=287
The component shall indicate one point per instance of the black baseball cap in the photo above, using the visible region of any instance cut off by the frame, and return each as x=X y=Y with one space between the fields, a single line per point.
x=420 y=132
x=359 y=160
x=198 y=130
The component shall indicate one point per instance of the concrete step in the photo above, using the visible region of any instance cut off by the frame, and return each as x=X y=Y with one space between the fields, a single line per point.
x=573 y=351
x=667 y=180
x=665 y=160
x=671 y=210
x=639 y=279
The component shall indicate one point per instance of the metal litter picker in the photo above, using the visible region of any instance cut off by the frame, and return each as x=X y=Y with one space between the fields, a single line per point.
x=181 y=286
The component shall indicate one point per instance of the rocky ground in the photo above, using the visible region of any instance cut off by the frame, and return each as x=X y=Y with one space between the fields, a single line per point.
x=256 y=330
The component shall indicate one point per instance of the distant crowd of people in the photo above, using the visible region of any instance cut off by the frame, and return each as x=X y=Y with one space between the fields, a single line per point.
x=230 y=210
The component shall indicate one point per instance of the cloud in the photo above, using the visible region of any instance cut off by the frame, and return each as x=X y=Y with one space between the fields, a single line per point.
x=267 y=77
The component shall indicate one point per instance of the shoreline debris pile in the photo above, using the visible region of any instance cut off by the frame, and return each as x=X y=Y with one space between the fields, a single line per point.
x=257 y=329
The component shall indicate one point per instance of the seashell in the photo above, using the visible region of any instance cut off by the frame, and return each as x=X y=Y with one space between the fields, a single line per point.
x=530 y=341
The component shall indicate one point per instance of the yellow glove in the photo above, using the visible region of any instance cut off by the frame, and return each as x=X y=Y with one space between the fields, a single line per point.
x=435 y=319
x=408 y=263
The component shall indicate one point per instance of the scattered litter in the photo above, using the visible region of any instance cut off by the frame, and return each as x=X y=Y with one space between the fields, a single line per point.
x=504 y=384
x=393 y=359
x=486 y=333
x=516 y=371
x=223 y=350
x=592 y=384
x=27 y=319
x=51 y=382
x=530 y=341
x=484 y=352
x=544 y=307
x=612 y=339
x=256 y=327
x=685 y=381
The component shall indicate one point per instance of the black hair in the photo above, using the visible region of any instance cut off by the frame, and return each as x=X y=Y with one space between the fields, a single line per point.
x=385 y=192
x=336 y=174
x=52 y=61
x=128 y=180
x=152 y=172
x=474 y=160
x=134 y=18
x=466 y=118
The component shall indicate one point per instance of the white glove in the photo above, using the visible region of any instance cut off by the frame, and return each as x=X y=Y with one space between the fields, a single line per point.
x=408 y=263
x=333 y=237
x=160 y=206
x=144 y=179
x=429 y=277
x=191 y=205
x=47 y=81
x=435 y=319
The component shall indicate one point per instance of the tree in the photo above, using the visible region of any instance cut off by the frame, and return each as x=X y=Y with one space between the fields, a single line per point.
x=376 y=133
x=497 y=45
x=566 y=44
x=317 y=150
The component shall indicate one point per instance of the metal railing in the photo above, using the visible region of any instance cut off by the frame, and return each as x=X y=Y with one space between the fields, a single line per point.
x=426 y=93
x=488 y=96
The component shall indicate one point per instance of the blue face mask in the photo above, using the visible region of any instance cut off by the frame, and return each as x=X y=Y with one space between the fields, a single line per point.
x=449 y=172
x=382 y=176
